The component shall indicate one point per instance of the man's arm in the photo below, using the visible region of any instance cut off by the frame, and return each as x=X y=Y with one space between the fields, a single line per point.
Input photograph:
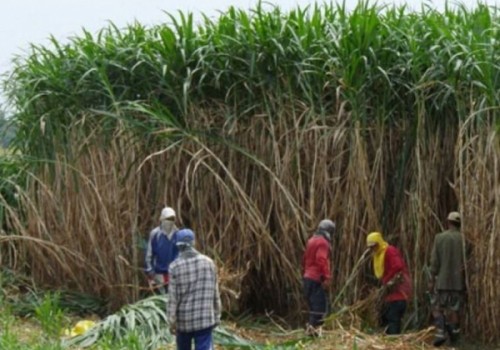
x=149 y=254
x=434 y=268
x=323 y=259
x=172 y=301
x=395 y=264
x=217 y=301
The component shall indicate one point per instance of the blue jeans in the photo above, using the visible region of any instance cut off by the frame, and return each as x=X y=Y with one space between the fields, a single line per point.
x=202 y=339
x=317 y=300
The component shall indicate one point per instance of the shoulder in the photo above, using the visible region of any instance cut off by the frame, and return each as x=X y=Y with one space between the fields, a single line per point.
x=447 y=235
x=206 y=261
x=440 y=236
x=392 y=251
x=310 y=242
x=324 y=243
x=154 y=231
x=205 y=258
x=319 y=241
x=391 y=248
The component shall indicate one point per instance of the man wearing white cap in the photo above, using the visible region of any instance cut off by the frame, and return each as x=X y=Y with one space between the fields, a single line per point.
x=161 y=250
x=448 y=283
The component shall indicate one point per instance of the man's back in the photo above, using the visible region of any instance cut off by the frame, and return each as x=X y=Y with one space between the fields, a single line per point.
x=161 y=250
x=447 y=262
x=194 y=292
x=316 y=260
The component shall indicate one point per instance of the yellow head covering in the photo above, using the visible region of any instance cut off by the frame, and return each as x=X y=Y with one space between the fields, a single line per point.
x=375 y=238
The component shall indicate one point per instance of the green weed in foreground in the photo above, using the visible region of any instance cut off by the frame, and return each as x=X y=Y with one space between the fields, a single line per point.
x=42 y=331
x=50 y=315
x=17 y=334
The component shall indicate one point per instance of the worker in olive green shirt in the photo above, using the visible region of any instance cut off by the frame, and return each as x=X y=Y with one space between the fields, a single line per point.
x=447 y=284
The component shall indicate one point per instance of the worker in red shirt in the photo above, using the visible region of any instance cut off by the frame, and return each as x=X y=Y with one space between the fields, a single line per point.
x=317 y=275
x=390 y=268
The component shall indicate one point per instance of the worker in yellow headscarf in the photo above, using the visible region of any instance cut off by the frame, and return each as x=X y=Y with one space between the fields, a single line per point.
x=376 y=242
x=390 y=268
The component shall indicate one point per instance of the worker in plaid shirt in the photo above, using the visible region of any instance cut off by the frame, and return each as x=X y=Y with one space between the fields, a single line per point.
x=194 y=305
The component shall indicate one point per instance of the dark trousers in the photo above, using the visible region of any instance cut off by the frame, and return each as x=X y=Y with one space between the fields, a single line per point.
x=392 y=314
x=317 y=301
x=202 y=339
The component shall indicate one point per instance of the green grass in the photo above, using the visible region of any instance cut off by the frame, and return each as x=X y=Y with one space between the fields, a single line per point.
x=116 y=332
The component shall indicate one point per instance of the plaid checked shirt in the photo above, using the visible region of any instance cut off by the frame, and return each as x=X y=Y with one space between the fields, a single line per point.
x=193 y=292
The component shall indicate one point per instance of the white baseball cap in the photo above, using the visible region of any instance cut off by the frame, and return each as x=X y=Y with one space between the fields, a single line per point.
x=454 y=216
x=167 y=213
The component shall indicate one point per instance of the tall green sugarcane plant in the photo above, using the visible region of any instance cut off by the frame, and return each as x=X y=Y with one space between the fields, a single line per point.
x=255 y=126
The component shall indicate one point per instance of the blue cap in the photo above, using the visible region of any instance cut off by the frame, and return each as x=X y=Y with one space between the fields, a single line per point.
x=184 y=236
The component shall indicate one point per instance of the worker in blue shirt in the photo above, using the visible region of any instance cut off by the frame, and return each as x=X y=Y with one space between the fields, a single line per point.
x=161 y=251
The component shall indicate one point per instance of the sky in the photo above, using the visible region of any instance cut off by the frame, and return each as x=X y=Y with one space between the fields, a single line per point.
x=33 y=21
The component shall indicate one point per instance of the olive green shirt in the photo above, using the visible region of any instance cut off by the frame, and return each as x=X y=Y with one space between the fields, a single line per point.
x=447 y=261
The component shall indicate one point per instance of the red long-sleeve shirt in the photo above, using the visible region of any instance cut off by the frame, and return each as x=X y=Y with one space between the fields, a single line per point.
x=316 y=261
x=393 y=264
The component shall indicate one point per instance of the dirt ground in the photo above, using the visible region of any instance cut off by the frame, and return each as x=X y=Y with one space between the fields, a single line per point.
x=349 y=339
x=335 y=339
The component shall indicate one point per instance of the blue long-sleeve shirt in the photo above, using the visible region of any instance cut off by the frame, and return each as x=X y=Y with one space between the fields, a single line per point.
x=161 y=251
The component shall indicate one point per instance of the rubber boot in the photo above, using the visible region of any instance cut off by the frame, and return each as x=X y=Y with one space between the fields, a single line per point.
x=312 y=331
x=454 y=333
x=440 y=336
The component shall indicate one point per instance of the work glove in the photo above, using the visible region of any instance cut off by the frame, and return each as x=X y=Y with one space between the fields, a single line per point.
x=151 y=280
x=173 y=328
x=395 y=281
x=325 y=284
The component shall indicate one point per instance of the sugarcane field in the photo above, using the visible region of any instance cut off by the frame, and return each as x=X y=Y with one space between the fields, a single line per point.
x=314 y=178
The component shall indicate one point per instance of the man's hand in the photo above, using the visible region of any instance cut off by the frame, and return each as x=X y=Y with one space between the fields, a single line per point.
x=173 y=328
x=383 y=291
x=325 y=284
x=152 y=281
x=430 y=286
x=395 y=280
x=150 y=275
